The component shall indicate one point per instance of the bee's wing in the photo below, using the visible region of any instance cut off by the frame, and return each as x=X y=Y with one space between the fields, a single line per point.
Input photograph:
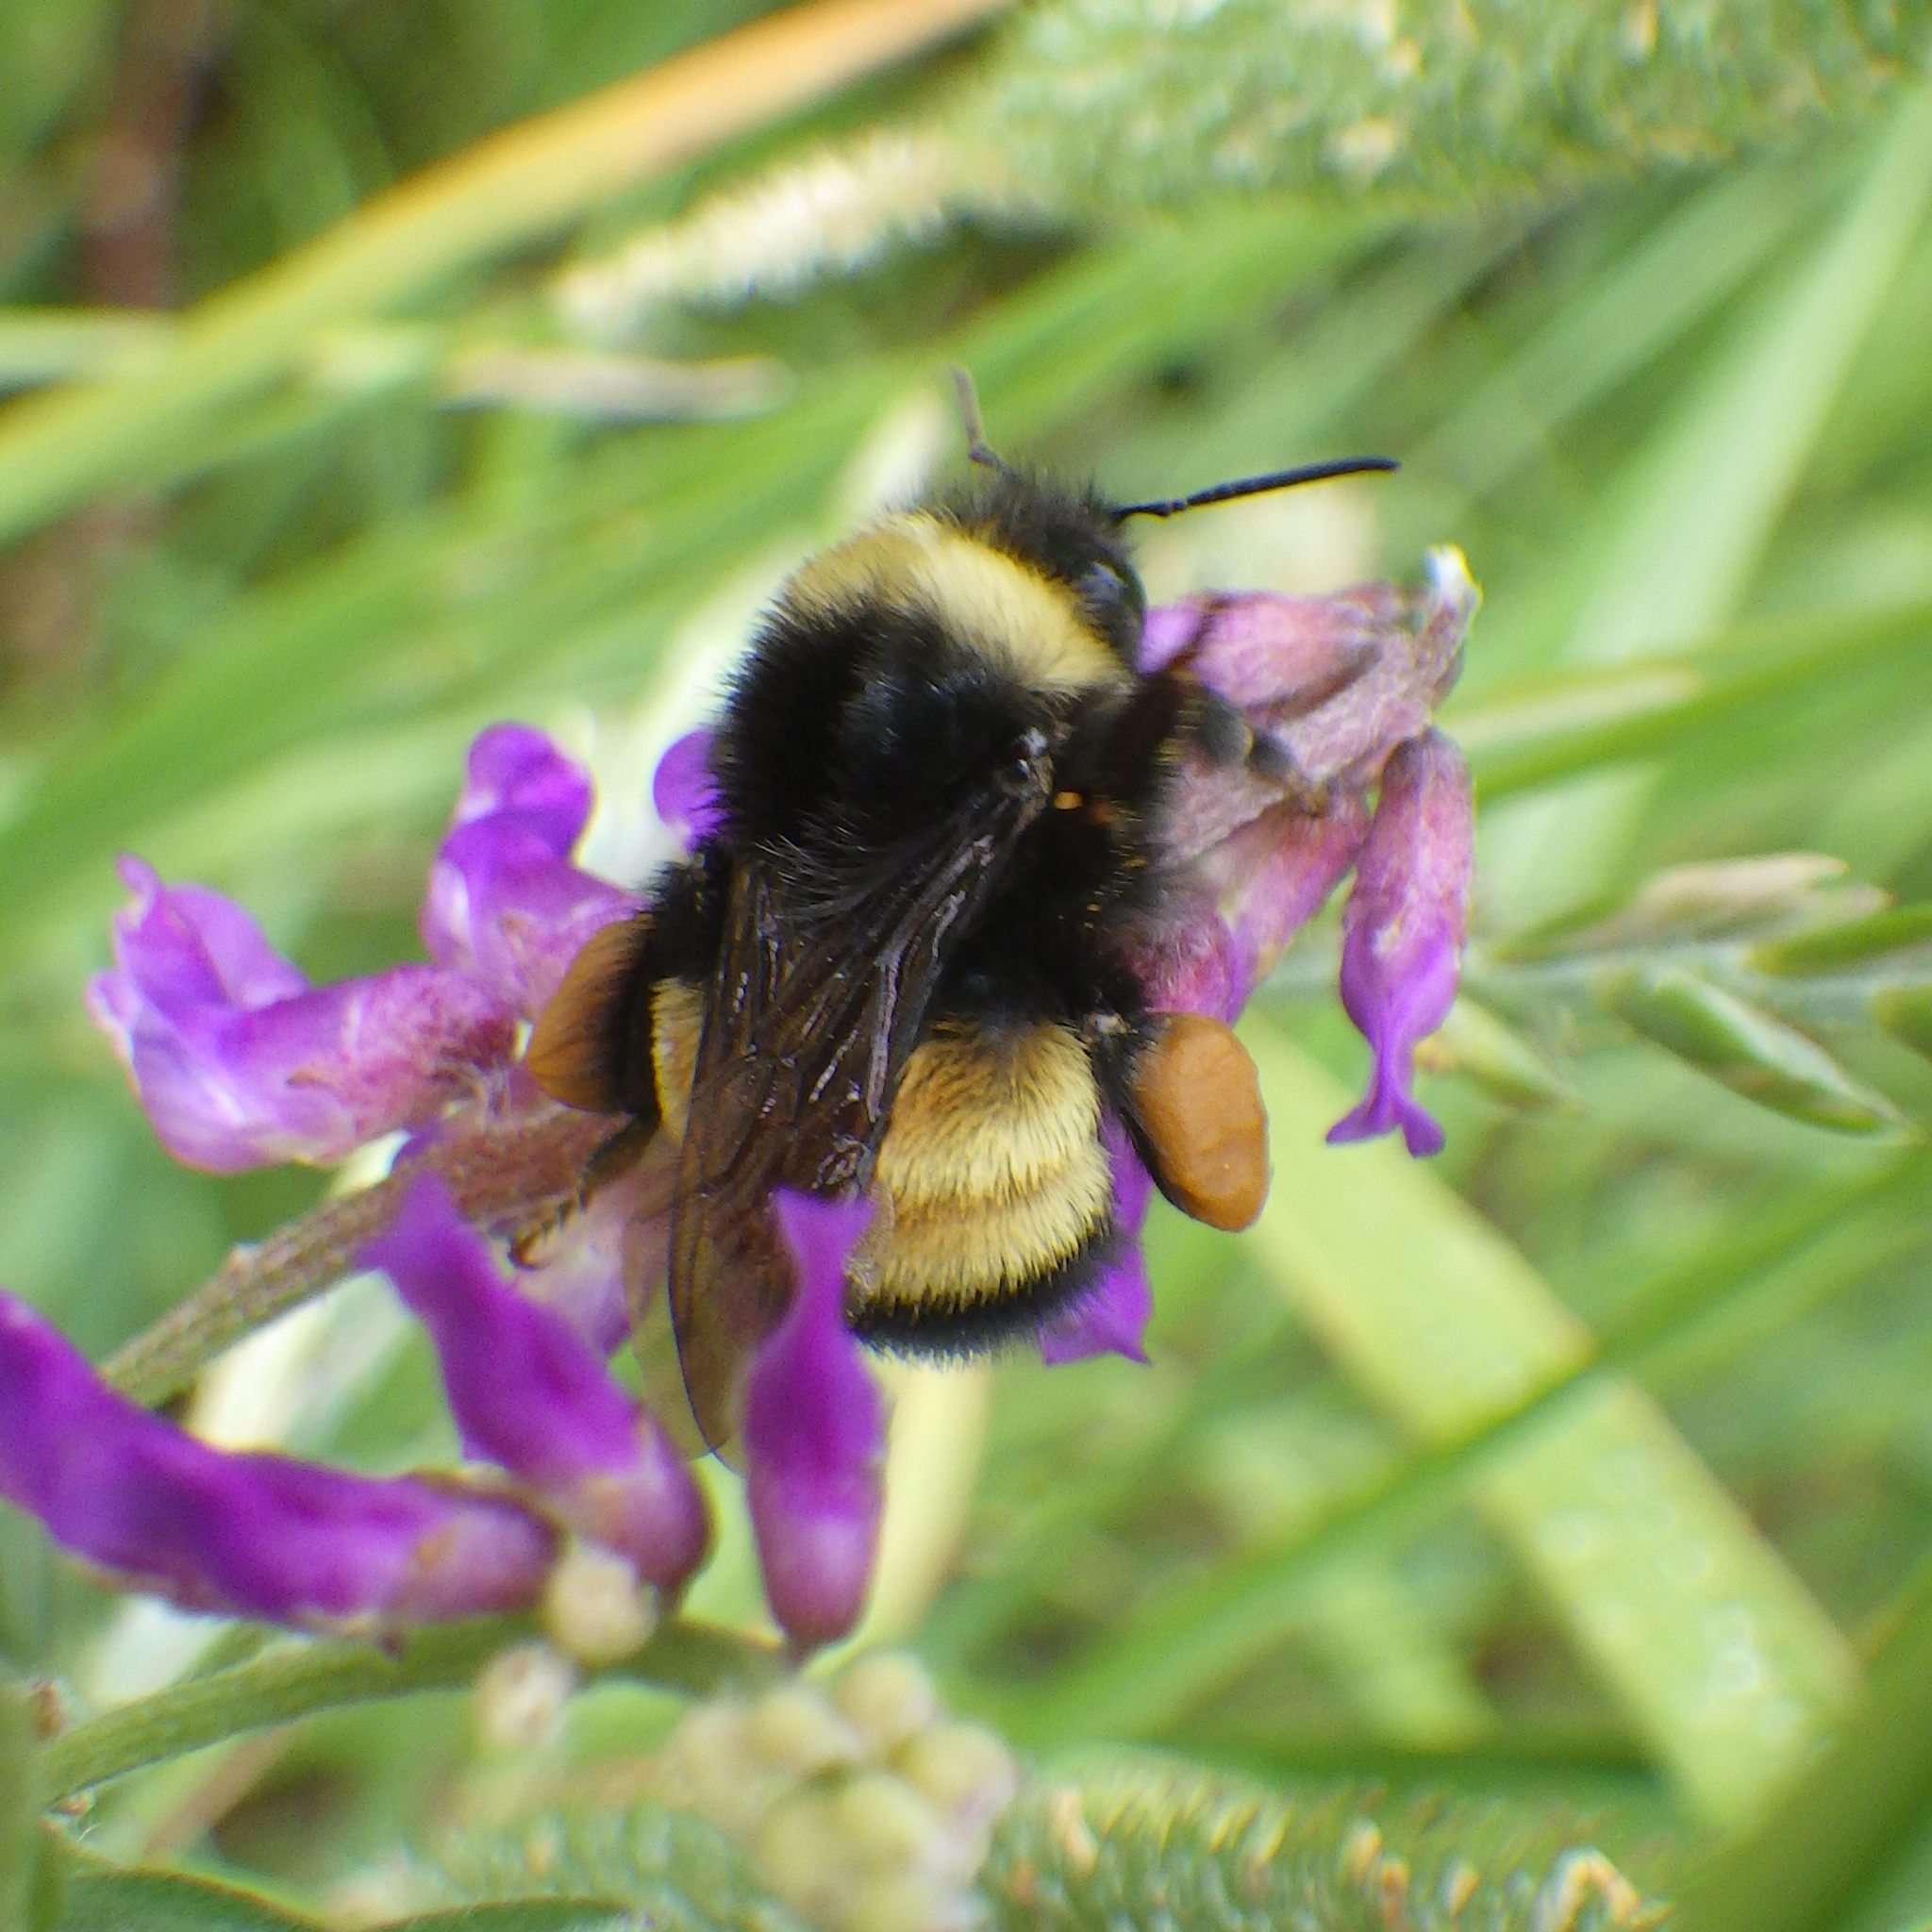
x=825 y=986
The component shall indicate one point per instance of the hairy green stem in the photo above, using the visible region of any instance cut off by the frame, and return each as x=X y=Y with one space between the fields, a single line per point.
x=293 y=1679
x=512 y=1171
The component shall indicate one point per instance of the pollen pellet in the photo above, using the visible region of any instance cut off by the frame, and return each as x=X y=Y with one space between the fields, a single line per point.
x=568 y=1054
x=1199 y=1105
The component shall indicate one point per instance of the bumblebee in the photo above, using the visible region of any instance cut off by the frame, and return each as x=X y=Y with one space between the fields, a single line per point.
x=900 y=966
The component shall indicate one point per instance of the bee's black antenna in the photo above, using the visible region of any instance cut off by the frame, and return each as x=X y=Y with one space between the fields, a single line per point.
x=1257 y=486
x=977 y=449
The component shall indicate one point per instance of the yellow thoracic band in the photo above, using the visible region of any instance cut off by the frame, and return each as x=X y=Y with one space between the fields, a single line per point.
x=988 y=601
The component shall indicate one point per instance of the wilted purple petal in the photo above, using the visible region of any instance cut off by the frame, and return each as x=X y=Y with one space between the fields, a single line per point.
x=504 y=902
x=1277 y=656
x=240 y=1063
x=1189 y=963
x=1403 y=930
x=1169 y=630
x=528 y=1392
x=253 y=1534
x=685 y=791
x=1331 y=684
x=1111 y=1317
x=814 y=1430
x=1277 y=873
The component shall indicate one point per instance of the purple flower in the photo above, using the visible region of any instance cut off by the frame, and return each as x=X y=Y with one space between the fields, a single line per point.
x=530 y=1395
x=504 y=902
x=1403 y=929
x=814 y=1430
x=253 y=1534
x=684 y=792
x=265 y=1536
x=1338 y=692
x=1111 y=1317
x=240 y=1062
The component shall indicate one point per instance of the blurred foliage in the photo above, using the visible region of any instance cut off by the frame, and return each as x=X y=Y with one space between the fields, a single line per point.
x=1573 y=1474
x=1423 y=109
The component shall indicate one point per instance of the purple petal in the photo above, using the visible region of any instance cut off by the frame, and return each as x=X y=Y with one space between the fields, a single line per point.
x=1403 y=930
x=1265 y=881
x=1334 y=684
x=239 y=1063
x=528 y=1392
x=814 y=1430
x=1277 y=873
x=1111 y=1317
x=1274 y=655
x=253 y=1534
x=1169 y=630
x=514 y=769
x=1191 y=964
x=685 y=791
x=505 y=904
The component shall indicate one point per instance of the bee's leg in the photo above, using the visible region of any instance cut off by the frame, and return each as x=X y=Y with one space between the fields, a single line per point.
x=612 y=1157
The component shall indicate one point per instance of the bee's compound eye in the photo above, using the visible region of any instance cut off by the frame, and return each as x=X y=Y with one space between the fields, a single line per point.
x=1198 y=1103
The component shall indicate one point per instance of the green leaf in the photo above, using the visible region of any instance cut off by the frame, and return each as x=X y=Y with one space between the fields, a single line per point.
x=1905 y=1013
x=1847 y=942
x=1702 y=501
x=1749 y=1050
x=21 y=1788
x=1818 y=1861
x=101 y=1897
x=1655 y=1571
x=523 y=1915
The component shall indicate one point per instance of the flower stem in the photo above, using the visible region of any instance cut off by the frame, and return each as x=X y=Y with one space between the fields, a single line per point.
x=513 y=1172
x=20 y=1790
x=293 y=1679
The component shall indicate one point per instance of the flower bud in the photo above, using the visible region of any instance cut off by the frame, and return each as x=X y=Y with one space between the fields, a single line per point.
x=814 y=1433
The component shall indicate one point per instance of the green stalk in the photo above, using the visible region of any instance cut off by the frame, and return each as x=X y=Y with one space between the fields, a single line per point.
x=294 y=1680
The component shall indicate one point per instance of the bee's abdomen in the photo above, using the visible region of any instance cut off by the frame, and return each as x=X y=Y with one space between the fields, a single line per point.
x=995 y=1188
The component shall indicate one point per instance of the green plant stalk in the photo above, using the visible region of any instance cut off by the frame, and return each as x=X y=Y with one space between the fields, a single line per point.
x=1156 y=1662
x=300 y=1677
x=1530 y=1439
x=21 y=1794
x=1812 y=1863
x=519 y=185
